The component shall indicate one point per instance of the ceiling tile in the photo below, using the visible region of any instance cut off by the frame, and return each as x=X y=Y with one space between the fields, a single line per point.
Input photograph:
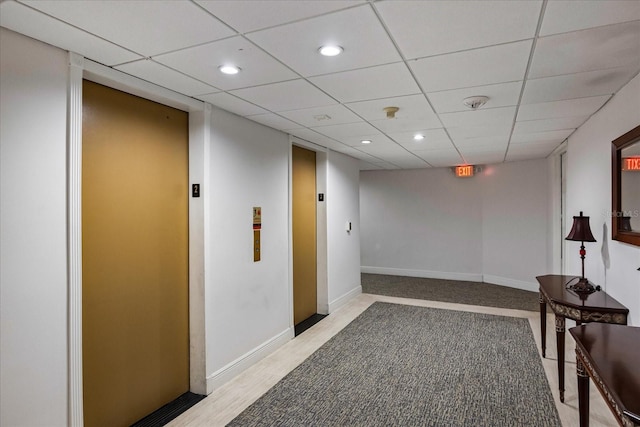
x=440 y=158
x=410 y=107
x=322 y=116
x=473 y=68
x=500 y=95
x=369 y=83
x=433 y=139
x=561 y=16
x=274 y=121
x=562 y=123
x=399 y=125
x=567 y=108
x=495 y=116
x=22 y=19
x=484 y=158
x=251 y=15
x=484 y=143
x=285 y=96
x=357 y=30
x=366 y=166
x=202 y=63
x=502 y=130
x=166 y=77
x=142 y=25
x=587 y=50
x=554 y=136
x=232 y=104
x=580 y=85
x=411 y=162
x=316 y=138
x=346 y=130
x=425 y=28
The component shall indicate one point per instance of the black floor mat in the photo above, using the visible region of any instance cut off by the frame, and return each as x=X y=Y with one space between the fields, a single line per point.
x=170 y=411
x=307 y=323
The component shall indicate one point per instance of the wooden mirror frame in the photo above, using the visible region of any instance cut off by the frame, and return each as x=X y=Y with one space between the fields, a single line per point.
x=631 y=137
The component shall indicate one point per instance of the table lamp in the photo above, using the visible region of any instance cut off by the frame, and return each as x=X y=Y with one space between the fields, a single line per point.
x=581 y=232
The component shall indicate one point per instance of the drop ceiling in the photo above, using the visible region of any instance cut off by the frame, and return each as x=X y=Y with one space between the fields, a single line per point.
x=546 y=66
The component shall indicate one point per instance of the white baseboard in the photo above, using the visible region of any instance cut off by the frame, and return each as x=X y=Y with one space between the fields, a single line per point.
x=471 y=277
x=512 y=283
x=339 y=302
x=234 y=368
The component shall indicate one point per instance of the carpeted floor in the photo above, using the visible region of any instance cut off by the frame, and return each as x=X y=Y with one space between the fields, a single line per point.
x=401 y=365
x=457 y=291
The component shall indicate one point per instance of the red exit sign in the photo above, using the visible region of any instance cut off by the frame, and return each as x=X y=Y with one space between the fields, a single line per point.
x=465 y=171
x=631 y=164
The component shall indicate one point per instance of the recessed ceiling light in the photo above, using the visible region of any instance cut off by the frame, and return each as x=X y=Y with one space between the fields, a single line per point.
x=330 y=50
x=418 y=137
x=366 y=141
x=229 y=69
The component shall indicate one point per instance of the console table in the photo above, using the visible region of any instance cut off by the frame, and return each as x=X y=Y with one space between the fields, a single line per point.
x=565 y=304
x=609 y=355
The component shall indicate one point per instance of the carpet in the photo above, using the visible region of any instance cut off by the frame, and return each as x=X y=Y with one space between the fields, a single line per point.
x=401 y=365
x=456 y=291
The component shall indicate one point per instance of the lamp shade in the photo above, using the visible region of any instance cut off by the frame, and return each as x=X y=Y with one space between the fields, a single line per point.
x=580 y=232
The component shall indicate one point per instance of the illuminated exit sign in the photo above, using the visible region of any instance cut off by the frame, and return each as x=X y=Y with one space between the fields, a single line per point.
x=465 y=171
x=631 y=164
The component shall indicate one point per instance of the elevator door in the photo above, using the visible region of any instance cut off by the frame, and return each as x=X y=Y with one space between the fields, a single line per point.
x=304 y=234
x=135 y=327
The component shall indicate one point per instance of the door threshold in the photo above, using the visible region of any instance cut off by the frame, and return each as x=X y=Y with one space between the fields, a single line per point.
x=170 y=411
x=307 y=323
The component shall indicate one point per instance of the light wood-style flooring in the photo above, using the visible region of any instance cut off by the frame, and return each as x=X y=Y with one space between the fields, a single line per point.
x=231 y=399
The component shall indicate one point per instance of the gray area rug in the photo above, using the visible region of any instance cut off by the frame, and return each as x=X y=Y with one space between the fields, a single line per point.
x=457 y=291
x=400 y=365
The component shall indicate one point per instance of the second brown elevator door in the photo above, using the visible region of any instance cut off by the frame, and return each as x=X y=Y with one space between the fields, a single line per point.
x=304 y=234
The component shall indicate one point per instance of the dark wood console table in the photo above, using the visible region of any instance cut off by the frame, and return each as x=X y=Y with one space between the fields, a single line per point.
x=609 y=355
x=565 y=304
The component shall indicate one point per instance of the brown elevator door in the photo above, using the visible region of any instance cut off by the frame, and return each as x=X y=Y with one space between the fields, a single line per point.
x=305 y=299
x=135 y=328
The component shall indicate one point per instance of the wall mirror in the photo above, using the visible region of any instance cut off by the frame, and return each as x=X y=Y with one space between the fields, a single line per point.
x=625 y=179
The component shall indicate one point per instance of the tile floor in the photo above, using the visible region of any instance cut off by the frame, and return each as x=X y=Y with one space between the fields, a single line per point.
x=228 y=401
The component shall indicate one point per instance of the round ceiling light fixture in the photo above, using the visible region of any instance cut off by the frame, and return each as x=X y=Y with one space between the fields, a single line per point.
x=229 y=69
x=330 y=50
x=418 y=137
x=366 y=141
x=475 y=102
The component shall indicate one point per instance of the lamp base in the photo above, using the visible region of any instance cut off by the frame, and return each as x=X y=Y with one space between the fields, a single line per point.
x=583 y=287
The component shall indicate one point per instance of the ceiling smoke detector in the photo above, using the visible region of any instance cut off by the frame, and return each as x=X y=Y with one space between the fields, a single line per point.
x=475 y=102
x=391 y=112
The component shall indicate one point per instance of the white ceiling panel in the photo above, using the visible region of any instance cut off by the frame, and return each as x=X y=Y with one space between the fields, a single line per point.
x=562 y=123
x=251 y=15
x=202 y=62
x=410 y=107
x=502 y=116
x=500 y=95
x=484 y=143
x=384 y=81
x=163 y=76
x=484 y=158
x=426 y=28
x=496 y=64
x=356 y=30
x=439 y=158
x=274 y=121
x=566 y=108
x=232 y=103
x=483 y=131
x=587 y=50
x=322 y=116
x=569 y=15
x=313 y=136
x=346 y=130
x=405 y=125
x=412 y=162
x=433 y=139
x=378 y=140
x=580 y=85
x=554 y=136
x=34 y=24
x=285 y=96
x=140 y=25
x=366 y=166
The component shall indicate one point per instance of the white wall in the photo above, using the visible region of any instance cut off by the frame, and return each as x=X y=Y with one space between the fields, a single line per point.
x=589 y=190
x=247 y=302
x=428 y=223
x=33 y=291
x=514 y=222
x=343 y=248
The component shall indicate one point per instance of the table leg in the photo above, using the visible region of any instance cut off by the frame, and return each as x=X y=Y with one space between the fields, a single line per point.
x=583 y=393
x=543 y=324
x=560 y=323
